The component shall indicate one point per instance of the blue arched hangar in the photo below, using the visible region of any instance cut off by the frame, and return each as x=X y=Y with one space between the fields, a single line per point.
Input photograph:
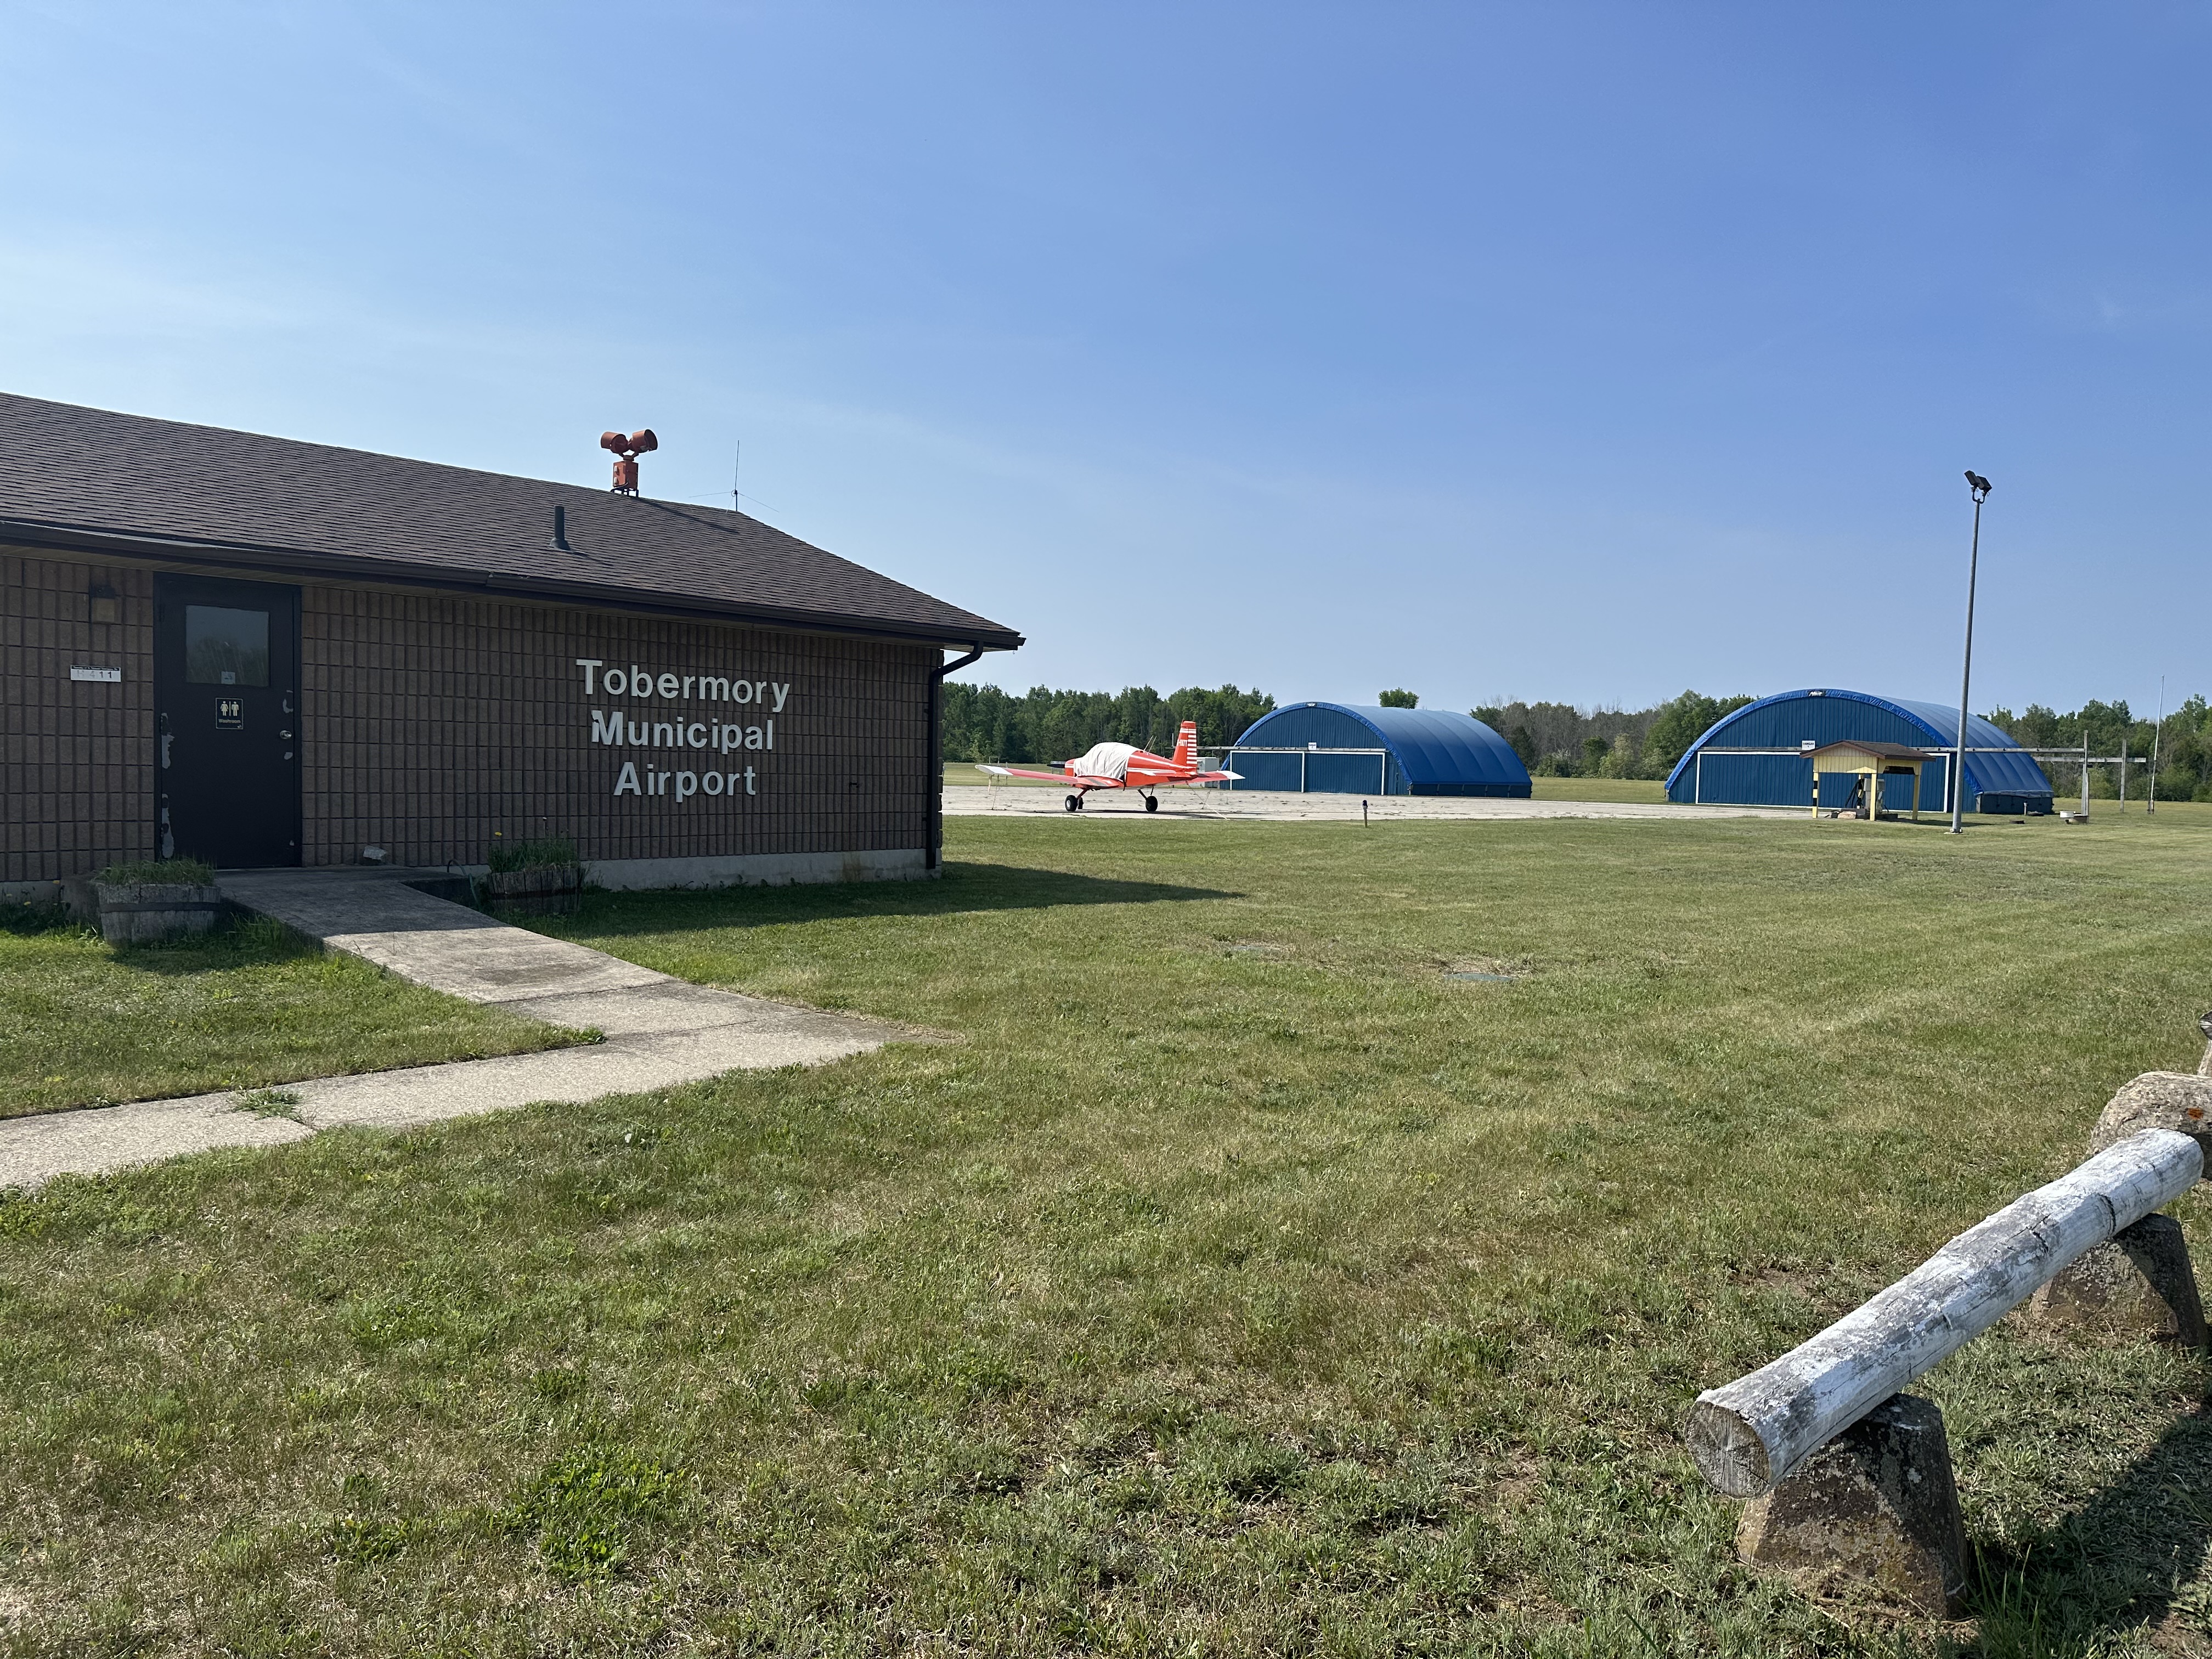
x=1760 y=756
x=1335 y=748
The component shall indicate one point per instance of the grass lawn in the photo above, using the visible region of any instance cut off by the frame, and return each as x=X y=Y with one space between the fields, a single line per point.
x=1649 y=791
x=82 y=1024
x=1237 y=1283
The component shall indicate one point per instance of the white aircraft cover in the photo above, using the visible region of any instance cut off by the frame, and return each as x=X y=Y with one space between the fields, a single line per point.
x=1107 y=760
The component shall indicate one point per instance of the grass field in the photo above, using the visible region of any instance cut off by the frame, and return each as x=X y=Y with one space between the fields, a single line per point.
x=249 y=1004
x=1237 y=1282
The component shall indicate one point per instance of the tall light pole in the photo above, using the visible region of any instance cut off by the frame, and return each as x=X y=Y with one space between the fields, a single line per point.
x=1980 y=486
x=2156 y=733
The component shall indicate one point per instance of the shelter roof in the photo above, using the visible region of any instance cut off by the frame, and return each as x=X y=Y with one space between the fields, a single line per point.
x=1879 y=751
x=93 y=480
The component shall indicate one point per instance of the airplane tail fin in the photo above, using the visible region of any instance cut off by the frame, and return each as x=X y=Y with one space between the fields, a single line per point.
x=1185 y=748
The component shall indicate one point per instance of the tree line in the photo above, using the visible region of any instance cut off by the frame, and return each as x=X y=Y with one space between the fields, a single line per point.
x=1553 y=739
x=1045 y=725
x=2184 y=745
x=1558 y=740
x=988 y=723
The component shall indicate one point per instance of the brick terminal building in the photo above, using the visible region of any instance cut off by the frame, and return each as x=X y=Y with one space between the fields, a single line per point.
x=259 y=652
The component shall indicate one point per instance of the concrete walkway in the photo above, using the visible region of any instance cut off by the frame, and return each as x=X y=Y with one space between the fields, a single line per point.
x=1271 y=806
x=660 y=1031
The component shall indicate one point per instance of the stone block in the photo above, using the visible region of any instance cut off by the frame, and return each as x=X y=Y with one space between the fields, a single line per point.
x=2142 y=1284
x=1876 y=1507
x=146 y=912
x=2158 y=1100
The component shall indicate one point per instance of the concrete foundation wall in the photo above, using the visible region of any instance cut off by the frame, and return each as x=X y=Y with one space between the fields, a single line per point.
x=762 y=870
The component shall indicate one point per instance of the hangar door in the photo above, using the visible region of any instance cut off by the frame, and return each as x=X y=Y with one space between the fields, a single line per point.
x=1783 y=777
x=1314 y=770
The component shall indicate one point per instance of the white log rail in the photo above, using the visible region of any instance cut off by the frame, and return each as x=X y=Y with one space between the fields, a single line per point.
x=1748 y=1436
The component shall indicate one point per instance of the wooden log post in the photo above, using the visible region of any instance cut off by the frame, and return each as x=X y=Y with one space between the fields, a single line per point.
x=1748 y=1436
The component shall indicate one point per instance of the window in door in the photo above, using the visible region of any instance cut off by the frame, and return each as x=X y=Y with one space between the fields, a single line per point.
x=226 y=647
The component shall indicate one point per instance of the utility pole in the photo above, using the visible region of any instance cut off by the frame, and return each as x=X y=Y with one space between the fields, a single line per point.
x=1980 y=487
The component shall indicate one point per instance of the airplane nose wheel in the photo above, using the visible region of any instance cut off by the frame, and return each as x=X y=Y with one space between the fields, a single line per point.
x=1074 y=804
x=1152 y=803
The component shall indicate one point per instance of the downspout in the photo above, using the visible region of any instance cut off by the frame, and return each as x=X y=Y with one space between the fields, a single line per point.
x=936 y=854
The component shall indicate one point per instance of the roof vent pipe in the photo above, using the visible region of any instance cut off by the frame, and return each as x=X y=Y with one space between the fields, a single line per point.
x=561 y=530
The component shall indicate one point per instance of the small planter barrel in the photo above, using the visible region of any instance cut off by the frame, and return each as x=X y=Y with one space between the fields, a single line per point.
x=144 y=912
x=552 y=892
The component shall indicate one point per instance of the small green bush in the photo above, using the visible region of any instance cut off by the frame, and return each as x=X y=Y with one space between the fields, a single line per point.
x=190 y=872
x=548 y=852
x=28 y=918
x=268 y=1103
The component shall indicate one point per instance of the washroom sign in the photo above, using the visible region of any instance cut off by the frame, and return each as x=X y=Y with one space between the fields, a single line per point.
x=690 y=750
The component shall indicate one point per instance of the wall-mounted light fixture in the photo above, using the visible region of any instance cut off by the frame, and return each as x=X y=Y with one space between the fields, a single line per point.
x=102 y=605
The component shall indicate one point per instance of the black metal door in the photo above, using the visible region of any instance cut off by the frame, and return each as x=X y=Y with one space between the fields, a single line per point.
x=227 y=701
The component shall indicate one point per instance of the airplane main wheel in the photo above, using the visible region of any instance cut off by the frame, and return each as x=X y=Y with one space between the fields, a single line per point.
x=1152 y=803
x=1074 y=804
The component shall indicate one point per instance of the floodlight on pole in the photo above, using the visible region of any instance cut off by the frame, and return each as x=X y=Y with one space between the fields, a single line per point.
x=1980 y=487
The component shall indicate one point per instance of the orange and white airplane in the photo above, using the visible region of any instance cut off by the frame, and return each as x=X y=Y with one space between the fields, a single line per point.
x=1125 y=766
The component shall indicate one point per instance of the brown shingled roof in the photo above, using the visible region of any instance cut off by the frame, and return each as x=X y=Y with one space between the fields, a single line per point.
x=90 y=478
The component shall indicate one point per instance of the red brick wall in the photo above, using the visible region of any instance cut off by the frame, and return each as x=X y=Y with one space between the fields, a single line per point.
x=76 y=757
x=433 y=720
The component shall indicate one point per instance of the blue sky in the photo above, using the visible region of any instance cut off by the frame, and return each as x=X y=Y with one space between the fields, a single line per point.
x=1573 y=351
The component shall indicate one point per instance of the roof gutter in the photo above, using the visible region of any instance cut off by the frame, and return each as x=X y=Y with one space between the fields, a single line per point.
x=936 y=855
x=285 y=561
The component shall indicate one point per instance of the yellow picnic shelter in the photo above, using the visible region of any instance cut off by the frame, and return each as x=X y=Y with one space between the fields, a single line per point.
x=1872 y=761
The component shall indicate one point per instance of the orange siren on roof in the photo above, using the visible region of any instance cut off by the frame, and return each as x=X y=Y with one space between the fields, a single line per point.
x=626 y=452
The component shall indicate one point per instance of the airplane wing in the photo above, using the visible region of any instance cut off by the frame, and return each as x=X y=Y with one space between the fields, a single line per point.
x=1088 y=780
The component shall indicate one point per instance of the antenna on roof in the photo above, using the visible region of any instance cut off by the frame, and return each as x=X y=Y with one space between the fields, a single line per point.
x=737 y=470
